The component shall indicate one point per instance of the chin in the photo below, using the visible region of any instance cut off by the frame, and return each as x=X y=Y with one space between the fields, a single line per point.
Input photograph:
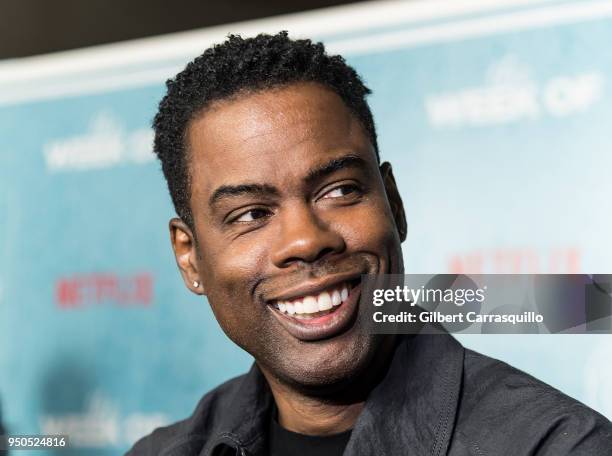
x=327 y=365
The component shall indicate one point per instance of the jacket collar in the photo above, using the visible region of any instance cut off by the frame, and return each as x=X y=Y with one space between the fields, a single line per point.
x=412 y=409
x=245 y=422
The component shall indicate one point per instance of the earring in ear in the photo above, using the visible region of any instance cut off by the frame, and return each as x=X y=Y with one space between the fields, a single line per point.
x=196 y=284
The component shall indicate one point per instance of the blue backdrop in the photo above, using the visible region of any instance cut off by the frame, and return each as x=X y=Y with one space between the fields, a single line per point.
x=495 y=116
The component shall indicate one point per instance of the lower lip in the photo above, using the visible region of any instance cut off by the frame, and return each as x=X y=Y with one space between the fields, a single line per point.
x=325 y=326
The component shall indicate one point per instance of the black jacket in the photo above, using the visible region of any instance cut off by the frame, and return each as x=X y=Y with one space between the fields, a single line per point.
x=436 y=399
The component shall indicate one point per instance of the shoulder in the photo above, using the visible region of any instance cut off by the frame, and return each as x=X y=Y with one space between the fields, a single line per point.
x=189 y=436
x=502 y=407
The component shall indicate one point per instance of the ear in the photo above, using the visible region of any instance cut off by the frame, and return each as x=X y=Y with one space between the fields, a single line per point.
x=185 y=252
x=395 y=200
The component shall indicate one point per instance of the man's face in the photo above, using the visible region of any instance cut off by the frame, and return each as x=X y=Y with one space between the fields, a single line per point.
x=289 y=209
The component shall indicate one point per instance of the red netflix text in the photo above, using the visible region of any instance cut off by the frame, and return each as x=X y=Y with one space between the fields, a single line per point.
x=103 y=288
x=564 y=260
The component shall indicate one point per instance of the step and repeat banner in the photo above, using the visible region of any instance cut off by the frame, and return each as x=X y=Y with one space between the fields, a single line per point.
x=496 y=116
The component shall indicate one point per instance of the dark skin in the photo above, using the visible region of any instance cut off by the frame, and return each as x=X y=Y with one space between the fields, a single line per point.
x=287 y=195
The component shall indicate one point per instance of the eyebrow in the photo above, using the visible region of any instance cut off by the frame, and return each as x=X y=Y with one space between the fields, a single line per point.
x=228 y=191
x=348 y=161
x=316 y=174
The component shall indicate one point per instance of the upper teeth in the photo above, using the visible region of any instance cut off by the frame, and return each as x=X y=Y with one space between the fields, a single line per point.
x=315 y=303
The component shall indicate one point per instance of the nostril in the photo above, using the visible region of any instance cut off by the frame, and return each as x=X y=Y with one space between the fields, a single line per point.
x=301 y=240
x=324 y=252
x=309 y=259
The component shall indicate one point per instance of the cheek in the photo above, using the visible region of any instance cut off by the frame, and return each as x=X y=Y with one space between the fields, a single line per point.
x=368 y=227
x=241 y=319
x=229 y=274
x=232 y=265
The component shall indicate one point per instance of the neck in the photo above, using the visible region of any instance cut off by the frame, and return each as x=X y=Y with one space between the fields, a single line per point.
x=312 y=414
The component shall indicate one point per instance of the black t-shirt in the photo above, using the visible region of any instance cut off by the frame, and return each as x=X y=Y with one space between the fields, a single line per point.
x=282 y=442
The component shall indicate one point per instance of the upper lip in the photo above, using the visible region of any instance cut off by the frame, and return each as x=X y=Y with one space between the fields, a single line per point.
x=314 y=287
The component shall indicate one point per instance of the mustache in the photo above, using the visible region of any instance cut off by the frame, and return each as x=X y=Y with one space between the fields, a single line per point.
x=324 y=267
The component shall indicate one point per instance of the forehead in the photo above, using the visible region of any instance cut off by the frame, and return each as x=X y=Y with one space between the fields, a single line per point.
x=275 y=132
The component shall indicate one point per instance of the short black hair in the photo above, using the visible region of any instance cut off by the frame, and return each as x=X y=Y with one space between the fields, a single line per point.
x=244 y=65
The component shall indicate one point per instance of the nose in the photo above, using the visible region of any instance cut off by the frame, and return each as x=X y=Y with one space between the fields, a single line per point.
x=304 y=238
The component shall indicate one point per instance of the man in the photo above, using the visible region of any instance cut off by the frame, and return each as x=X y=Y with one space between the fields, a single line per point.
x=269 y=150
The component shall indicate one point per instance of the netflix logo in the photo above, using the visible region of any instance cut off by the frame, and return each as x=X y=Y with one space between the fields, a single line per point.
x=104 y=288
x=562 y=260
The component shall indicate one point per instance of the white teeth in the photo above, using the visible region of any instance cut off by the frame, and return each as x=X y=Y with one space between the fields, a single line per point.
x=321 y=302
x=344 y=293
x=324 y=301
x=336 y=299
x=310 y=305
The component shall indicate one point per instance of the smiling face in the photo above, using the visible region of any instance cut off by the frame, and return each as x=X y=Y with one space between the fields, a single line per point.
x=289 y=209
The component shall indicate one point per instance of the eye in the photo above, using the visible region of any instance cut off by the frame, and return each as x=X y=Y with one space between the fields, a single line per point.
x=341 y=191
x=252 y=215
